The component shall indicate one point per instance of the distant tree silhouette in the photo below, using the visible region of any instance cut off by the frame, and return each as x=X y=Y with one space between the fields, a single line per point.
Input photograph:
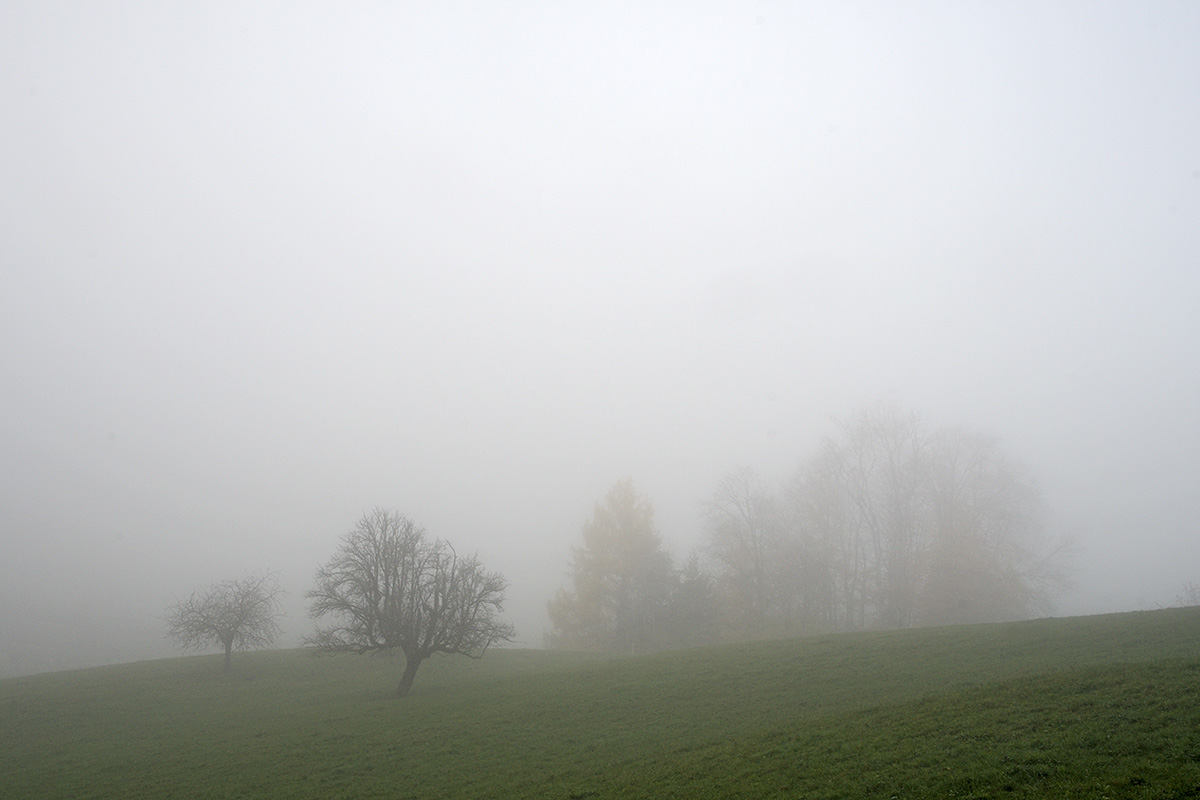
x=622 y=580
x=743 y=537
x=900 y=525
x=236 y=614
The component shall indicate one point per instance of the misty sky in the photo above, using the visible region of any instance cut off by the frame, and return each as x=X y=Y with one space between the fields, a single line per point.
x=264 y=266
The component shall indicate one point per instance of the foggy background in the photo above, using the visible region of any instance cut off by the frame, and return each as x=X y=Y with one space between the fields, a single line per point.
x=265 y=266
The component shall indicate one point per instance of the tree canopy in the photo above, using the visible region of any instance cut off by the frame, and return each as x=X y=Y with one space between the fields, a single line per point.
x=622 y=580
x=891 y=523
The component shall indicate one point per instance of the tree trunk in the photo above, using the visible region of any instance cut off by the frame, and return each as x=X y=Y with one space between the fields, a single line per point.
x=228 y=649
x=411 y=663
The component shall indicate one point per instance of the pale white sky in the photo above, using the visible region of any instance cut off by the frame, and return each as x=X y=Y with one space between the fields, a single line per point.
x=264 y=266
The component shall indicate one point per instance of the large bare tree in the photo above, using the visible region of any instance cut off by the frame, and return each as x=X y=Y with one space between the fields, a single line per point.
x=236 y=614
x=389 y=586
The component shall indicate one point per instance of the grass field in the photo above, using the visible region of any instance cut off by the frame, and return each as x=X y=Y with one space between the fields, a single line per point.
x=1083 y=707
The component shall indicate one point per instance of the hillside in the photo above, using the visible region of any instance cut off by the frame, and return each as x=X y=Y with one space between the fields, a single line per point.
x=1084 y=706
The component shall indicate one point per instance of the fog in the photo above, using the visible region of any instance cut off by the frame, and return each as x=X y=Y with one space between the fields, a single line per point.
x=266 y=266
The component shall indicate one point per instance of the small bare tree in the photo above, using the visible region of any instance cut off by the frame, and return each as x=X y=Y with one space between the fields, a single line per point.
x=1190 y=596
x=388 y=586
x=236 y=614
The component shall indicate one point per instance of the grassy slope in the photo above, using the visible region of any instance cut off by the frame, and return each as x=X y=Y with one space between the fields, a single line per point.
x=1073 y=707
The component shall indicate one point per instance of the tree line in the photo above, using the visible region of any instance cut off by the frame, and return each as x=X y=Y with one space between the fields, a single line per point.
x=890 y=524
x=388 y=586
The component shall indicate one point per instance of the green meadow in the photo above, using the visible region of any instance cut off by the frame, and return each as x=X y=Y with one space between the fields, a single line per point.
x=1105 y=706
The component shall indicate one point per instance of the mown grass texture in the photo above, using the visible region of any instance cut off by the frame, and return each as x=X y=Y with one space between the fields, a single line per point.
x=1084 y=707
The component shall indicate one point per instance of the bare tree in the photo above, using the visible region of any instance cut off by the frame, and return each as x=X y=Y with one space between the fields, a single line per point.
x=740 y=519
x=984 y=562
x=833 y=549
x=886 y=466
x=389 y=586
x=903 y=525
x=236 y=614
x=1190 y=596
